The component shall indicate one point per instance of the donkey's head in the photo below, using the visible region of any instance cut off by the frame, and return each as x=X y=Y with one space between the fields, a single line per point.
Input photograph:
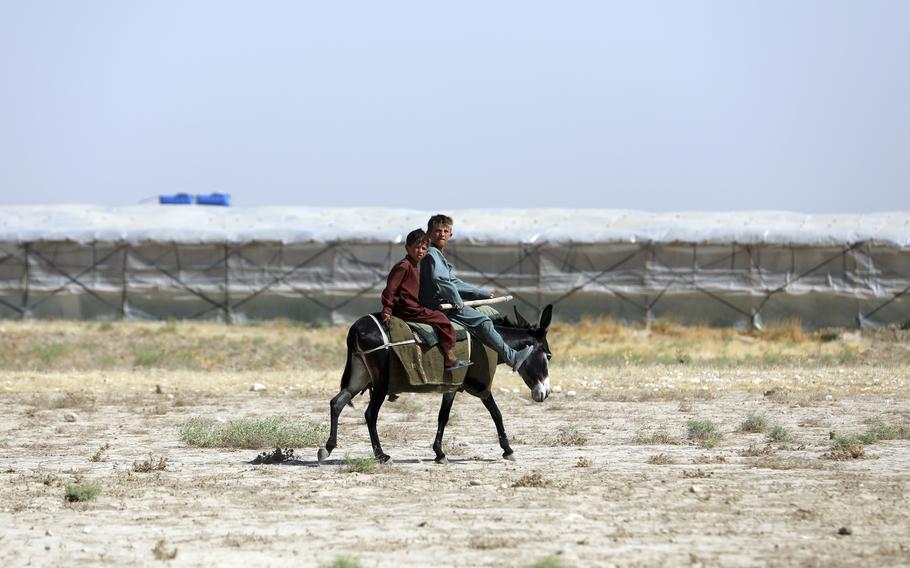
x=535 y=371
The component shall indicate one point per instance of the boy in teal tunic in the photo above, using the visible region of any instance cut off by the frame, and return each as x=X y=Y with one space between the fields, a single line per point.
x=439 y=286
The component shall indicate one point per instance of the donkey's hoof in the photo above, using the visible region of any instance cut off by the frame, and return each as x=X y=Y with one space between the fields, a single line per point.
x=322 y=454
x=383 y=458
x=442 y=460
x=509 y=456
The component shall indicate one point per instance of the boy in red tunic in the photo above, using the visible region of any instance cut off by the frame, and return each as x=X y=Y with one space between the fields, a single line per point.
x=399 y=298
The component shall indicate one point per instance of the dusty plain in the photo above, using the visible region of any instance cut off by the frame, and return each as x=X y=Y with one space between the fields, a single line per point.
x=607 y=470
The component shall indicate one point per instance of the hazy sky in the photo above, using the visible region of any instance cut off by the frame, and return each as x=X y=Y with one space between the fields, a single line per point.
x=677 y=105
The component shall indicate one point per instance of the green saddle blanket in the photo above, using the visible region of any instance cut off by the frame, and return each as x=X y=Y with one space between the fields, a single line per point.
x=420 y=367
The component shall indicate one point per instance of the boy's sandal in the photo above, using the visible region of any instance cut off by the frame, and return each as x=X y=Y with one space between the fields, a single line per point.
x=459 y=364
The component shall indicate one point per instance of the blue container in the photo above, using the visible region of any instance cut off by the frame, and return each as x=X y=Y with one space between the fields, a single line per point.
x=222 y=199
x=176 y=199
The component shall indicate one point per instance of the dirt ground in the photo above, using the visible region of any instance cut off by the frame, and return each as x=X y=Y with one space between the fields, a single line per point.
x=588 y=487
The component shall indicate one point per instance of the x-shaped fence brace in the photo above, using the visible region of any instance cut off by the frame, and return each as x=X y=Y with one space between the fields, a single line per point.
x=531 y=253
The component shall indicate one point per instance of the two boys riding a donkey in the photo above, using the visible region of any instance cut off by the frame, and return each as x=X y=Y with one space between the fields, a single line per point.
x=419 y=287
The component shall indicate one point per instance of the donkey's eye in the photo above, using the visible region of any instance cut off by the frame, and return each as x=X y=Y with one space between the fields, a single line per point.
x=549 y=356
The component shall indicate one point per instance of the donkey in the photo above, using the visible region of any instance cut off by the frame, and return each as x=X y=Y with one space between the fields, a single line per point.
x=367 y=367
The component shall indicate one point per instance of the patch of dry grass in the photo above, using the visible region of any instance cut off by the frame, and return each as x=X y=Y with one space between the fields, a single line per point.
x=656 y=439
x=846 y=448
x=162 y=552
x=491 y=542
x=567 y=436
x=661 y=459
x=101 y=454
x=42 y=345
x=757 y=451
x=532 y=479
x=150 y=464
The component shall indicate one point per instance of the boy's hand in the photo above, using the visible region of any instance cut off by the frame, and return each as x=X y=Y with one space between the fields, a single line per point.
x=493 y=293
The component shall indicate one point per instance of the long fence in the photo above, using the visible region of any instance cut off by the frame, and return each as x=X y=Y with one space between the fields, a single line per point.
x=856 y=284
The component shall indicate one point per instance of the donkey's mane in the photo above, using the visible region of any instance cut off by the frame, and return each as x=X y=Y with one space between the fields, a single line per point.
x=503 y=320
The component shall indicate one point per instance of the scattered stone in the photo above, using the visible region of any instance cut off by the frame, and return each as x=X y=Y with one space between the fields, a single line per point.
x=844 y=531
x=828 y=397
x=571 y=394
x=87 y=529
x=159 y=389
x=69 y=417
x=48 y=533
x=474 y=482
x=557 y=388
x=257 y=387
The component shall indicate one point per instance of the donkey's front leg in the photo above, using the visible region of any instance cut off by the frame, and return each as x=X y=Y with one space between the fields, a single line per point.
x=335 y=408
x=488 y=401
x=377 y=397
x=444 y=409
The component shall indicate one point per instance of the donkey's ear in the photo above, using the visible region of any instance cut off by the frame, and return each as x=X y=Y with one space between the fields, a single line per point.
x=546 y=317
x=519 y=319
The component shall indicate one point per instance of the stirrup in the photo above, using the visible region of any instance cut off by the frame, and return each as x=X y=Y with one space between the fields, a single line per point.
x=459 y=364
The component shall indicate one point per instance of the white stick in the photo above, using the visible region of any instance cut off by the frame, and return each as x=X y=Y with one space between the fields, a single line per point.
x=487 y=302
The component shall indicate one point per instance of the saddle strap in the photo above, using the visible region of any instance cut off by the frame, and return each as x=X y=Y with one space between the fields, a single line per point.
x=385 y=339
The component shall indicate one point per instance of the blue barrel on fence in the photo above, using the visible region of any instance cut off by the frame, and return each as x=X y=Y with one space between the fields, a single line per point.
x=176 y=199
x=222 y=199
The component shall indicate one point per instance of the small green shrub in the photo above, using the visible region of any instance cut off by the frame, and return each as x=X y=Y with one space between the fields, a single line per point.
x=360 y=465
x=880 y=430
x=754 y=423
x=704 y=432
x=82 y=491
x=778 y=434
x=252 y=433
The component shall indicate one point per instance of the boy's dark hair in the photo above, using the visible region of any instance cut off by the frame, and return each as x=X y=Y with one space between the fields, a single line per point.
x=439 y=219
x=416 y=237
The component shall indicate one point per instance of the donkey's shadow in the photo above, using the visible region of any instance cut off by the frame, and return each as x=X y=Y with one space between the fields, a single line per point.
x=341 y=462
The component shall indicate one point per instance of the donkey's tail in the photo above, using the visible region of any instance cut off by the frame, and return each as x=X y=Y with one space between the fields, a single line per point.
x=351 y=343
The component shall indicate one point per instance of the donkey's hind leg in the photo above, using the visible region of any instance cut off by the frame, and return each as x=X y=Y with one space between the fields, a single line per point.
x=335 y=407
x=355 y=379
x=488 y=401
x=444 y=409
